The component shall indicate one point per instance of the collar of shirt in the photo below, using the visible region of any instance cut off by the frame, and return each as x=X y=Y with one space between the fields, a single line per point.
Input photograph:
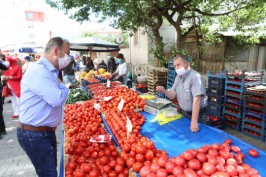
x=48 y=65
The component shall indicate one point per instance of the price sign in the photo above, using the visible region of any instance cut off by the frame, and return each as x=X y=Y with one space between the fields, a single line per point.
x=108 y=83
x=106 y=98
x=97 y=106
x=121 y=104
x=129 y=127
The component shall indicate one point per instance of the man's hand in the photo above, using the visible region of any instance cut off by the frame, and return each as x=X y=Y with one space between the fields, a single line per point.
x=160 y=89
x=117 y=77
x=194 y=127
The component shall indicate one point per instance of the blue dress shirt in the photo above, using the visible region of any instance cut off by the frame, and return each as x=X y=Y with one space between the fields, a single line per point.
x=42 y=96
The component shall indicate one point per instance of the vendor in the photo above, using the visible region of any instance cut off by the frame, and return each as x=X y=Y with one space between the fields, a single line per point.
x=121 y=72
x=189 y=89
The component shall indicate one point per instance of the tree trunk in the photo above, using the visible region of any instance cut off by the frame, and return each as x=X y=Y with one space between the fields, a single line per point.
x=178 y=36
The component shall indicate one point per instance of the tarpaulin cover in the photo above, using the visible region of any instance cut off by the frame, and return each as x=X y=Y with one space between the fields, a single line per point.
x=176 y=137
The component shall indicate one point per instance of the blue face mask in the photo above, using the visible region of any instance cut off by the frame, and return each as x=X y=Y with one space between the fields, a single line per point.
x=119 y=61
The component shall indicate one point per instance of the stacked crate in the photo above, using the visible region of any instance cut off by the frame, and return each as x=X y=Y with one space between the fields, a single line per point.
x=235 y=85
x=215 y=94
x=156 y=77
x=254 y=113
x=171 y=74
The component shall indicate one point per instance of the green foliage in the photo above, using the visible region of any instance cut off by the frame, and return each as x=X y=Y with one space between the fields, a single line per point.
x=108 y=38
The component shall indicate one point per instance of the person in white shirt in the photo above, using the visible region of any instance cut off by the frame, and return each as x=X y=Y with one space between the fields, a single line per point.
x=121 y=71
x=26 y=64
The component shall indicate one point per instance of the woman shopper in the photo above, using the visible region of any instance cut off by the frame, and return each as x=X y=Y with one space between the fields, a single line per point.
x=121 y=72
x=12 y=77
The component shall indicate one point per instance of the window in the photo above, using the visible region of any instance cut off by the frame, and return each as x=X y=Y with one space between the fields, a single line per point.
x=136 y=38
x=29 y=15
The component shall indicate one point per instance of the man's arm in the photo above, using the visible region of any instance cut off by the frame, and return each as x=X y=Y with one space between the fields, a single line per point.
x=195 y=114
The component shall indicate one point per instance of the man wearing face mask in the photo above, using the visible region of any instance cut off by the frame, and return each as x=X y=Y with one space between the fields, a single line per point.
x=41 y=106
x=189 y=89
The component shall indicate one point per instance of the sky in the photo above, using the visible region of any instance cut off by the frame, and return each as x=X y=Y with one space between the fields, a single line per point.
x=59 y=23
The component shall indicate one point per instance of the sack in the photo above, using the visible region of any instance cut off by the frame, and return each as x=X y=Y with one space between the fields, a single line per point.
x=6 y=92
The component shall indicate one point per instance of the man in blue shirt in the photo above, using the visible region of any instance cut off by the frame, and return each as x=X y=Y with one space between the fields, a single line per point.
x=41 y=106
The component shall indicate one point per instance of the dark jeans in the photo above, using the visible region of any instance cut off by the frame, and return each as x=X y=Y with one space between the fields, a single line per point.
x=2 y=123
x=41 y=149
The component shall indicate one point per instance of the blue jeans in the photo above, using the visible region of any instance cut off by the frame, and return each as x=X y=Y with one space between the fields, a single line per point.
x=41 y=148
x=69 y=78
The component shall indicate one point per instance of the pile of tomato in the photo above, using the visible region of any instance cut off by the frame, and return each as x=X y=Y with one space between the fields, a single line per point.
x=252 y=132
x=232 y=105
x=233 y=93
x=88 y=159
x=231 y=118
x=210 y=160
x=131 y=99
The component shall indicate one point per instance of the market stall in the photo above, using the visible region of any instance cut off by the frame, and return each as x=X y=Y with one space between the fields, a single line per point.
x=118 y=107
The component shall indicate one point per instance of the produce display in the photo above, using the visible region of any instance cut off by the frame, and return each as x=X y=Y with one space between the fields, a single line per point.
x=76 y=95
x=90 y=151
x=82 y=123
x=225 y=160
x=100 y=73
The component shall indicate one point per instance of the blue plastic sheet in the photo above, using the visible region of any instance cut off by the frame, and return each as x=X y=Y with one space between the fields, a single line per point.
x=176 y=137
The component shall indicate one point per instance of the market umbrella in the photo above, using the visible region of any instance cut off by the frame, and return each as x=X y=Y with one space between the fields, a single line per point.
x=93 y=44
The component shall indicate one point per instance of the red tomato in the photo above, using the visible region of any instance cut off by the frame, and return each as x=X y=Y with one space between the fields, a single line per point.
x=178 y=170
x=93 y=173
x=201 y=157
x=119 y=168
x=162 y=161
x=169 y=166
x=235 y=149
x=154 y=167
x=194 y=164
x=180 y=161
x=220 y=174
x=140 y=158
x=161 y=173
x=231 y=170
x=190 y=173
x=149 y=155
x=253 y=153
x=187 y=155
x=137 y=166
x=208 y=168
x=107 y=169
x=231 y=161
x=144 y=171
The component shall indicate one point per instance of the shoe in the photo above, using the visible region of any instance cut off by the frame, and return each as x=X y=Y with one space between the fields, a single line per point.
x=14 y=117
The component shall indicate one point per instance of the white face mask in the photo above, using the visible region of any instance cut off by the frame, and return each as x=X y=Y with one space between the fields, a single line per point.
x=180 y=71
x=63 y=62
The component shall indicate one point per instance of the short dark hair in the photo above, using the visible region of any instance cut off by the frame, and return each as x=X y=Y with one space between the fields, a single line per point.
x=55 y=41
x=120 y=56
x=185 y=58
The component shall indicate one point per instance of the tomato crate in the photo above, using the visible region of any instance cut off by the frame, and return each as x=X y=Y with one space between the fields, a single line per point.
x=253 y=127
x=253 y=134
x=215 y=98
x=249 y=91
x=255 y=106
x=255 y=99
x=215 y=107
x=230 y=99
x=236 y=125
x=232 y=106
x=237 y=114
x=234 y=94
x=214 y=120
x=255 y=113
x=253 y=120
x=236 y=88
x=215 y=90
x=216 y=75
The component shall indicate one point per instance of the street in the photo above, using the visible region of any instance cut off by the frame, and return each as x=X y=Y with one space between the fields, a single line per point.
x=13 y=160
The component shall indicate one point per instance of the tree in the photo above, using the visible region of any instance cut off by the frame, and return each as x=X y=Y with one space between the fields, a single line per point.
x=128 y=16
x=207 y=16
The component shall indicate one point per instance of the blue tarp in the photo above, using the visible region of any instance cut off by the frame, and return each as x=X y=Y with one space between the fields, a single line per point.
x=176 y=137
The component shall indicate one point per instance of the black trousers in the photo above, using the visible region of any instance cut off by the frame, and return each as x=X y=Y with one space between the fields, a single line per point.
x=2 y=123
